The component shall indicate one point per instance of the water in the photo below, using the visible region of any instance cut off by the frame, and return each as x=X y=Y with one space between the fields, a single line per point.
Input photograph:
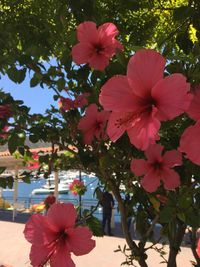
x=24 y=190
x=88 y=199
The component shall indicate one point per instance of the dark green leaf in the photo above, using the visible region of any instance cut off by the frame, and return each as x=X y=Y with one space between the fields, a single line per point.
x=166 y=214
x=183 y=12
x=2 y=169
x=95 y=225
x=16 y=75
x=35 y=80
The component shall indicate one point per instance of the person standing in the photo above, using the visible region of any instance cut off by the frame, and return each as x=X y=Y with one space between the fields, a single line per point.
x=107 y=203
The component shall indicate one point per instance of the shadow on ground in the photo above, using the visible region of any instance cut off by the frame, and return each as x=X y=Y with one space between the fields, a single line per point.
x=21 y=217
x=6 y=215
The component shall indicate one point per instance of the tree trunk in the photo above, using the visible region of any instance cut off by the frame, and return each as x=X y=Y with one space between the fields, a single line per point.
x=143 y=263
x=175 y=243
x=172 y=257
x=135 y=250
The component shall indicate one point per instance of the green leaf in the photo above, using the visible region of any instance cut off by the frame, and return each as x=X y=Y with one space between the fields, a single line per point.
x=185 y=201
x=95 y=225
x=86 y=158
x=142 y=224
x=6 y=182
x=24 y=59
x=98 y=193
x=66 y=59
x=3 y=182
x=26 y=179
x=16 y=140
x=44 y=159
x=2 y=169
x=184 y=42
x=181 y=216
x=16 y=75
x=182 y=13
x=34 y=138
x=166 y=214
x=132 y=4
x=10 y=182
x=192 y=217
x=21 y=150
x=35 y=80
x=12 y=143
x=61 y=84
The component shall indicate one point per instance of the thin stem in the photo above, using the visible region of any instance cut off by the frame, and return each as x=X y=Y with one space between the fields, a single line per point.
x=152 y=226
x=175 y=243
x=135 y=250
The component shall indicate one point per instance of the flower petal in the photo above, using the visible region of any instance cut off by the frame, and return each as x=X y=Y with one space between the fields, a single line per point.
x=113 y=130
x=79 y=240
x=139 y=166
x=89 y=119
x=172 y=158
x=39 y=231
x=103 y=116
x=145 y=69
x=144 y=132
x=190 y=143
x=98 y=61
x=88 y=136
x=39 y=255
x=154 y=153
x=171 y=96
x=198 y=248
x=87 y=32
x=170 y=178
x=107 y=31
x=61 y=257
x=82 y=52
x=151 y=181
x=62 y=215
x=117 y=95
x=194 y=109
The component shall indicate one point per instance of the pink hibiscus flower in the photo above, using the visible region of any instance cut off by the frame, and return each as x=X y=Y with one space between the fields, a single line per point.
x=4 y=133
x=198 y=247
x=93 y=124
x=189 y=142
x=143 y=98
x=65 y=103
x=34 y=164
x=77 y=187
x=96 y=46
x=157 y=168
x=79 y=102
x=194 y=108
x=5 y=111
x=55 y=236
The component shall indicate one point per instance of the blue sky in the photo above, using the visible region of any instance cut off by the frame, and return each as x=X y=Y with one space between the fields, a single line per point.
x=36 y=98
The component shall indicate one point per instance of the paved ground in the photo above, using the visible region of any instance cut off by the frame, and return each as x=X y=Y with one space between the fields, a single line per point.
x=14 y=249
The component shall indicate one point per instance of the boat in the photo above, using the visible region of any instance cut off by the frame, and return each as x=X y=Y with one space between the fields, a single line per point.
x=8 y=190
x=65 y=179
x=46 y=189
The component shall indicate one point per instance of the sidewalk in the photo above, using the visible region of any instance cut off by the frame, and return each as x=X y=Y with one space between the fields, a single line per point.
x=14 y=250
